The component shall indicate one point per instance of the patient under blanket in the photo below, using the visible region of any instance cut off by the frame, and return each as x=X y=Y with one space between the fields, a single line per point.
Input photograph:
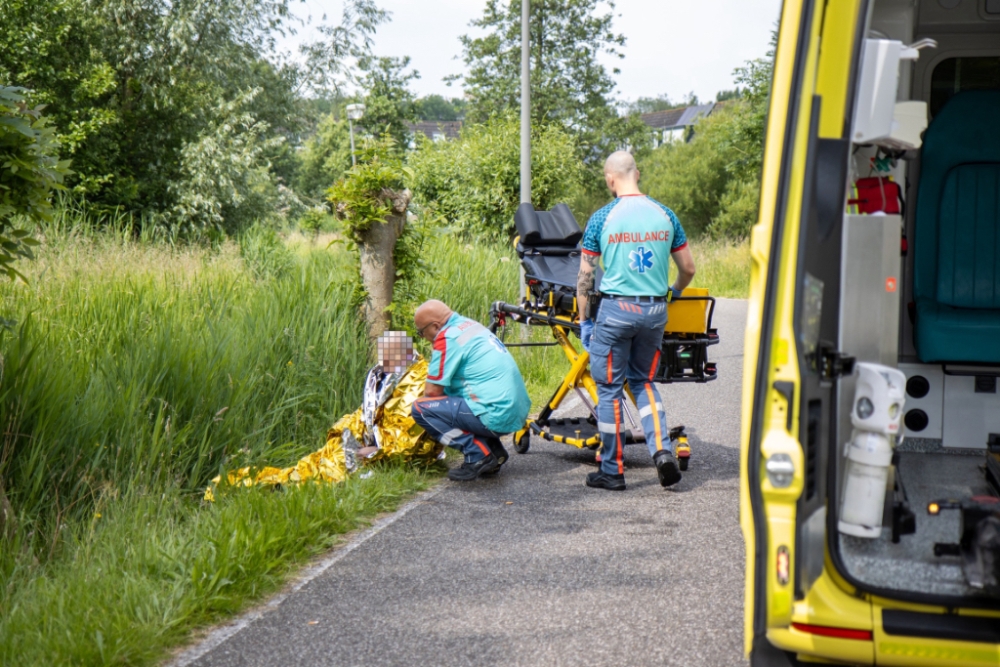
x=380 y=429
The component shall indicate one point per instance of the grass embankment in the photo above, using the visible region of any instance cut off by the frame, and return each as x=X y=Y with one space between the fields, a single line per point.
x=723 y=267
x=138 y=372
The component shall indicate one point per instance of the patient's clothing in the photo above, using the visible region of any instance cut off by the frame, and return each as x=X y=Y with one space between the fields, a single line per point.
x=449 y=420
x=626 y=346
x=635 y=236
x=471 y=363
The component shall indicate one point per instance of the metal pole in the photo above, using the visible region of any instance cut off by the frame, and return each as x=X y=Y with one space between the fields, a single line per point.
x=525 y=104
x=350 y=125
x=525 y=125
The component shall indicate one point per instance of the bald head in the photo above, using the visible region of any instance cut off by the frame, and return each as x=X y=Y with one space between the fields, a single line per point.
x=430 y=316
x=621 y=164
x=621 y=174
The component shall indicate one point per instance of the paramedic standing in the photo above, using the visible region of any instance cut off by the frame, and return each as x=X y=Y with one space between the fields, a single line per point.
x=474 y=391
x=634 y=237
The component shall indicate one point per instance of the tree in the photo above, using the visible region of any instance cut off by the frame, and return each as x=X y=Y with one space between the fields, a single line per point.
x=330 y=62
x=389 y=102
x=474 y=182
x=713 y=182
x=371 y=200
x=436 y=107
x=389 y=106
x=29 y=171
x=225 y=183
x=136 y=87
x=569 y=85
x=325 y=157
x=652 y=104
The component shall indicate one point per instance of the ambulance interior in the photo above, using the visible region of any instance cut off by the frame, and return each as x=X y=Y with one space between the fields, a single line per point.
x=919 y=291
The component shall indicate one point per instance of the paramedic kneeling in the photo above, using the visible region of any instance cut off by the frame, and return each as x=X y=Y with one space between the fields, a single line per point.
x=474 y=391
x=635 y=237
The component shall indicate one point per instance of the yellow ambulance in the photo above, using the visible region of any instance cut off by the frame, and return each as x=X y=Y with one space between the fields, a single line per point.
x=871 y=415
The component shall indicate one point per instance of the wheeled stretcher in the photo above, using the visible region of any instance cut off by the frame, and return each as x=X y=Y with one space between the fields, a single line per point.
x=548 y=247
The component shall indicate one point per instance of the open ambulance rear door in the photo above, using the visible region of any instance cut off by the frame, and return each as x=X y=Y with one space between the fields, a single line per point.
x=792 y=368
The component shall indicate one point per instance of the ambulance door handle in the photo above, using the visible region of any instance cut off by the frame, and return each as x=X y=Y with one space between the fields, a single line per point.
x=787 y=390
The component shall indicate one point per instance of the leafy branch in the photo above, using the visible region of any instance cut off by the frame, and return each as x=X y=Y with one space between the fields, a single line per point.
x=372 y=189
x=29 y=171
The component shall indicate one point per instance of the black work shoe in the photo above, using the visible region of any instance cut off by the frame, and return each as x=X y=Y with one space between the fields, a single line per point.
x=602 y=480
x=666 y=468
x=470 y=471
x=498 y=450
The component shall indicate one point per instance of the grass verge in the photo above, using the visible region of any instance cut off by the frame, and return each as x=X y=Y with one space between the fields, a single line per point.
x=139 y=371
x=146 y=569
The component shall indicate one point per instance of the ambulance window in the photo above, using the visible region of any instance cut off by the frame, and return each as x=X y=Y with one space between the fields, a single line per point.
x=957 y=74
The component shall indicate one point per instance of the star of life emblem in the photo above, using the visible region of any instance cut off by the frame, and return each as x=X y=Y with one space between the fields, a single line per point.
x=642 y=259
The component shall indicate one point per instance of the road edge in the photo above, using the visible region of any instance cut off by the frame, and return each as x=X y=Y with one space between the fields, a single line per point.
x=219 y=635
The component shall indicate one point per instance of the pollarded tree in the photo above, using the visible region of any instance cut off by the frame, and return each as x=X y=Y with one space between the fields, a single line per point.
x=371 y=200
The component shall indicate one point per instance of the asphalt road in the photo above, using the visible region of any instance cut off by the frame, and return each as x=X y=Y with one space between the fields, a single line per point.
x=534 y=568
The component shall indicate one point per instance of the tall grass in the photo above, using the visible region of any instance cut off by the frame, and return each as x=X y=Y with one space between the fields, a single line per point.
x=138 y=371
x=722 y=266
x=140 y=366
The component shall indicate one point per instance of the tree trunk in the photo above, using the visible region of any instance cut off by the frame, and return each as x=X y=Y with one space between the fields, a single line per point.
x=378 y=266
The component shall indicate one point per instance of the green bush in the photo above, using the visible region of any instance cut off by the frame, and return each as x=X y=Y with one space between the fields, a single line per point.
x=225 y=181
x=475 y=181
x=29 y=171
x=324 y=158
x=264 y=252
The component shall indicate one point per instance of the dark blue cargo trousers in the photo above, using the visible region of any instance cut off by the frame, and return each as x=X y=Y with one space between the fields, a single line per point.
x=626 y=346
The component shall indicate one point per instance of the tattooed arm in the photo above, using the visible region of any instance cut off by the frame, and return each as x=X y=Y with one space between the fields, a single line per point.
x=585 y=284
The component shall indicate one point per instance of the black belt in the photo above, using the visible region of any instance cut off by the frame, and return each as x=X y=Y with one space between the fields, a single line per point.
x=636 y=299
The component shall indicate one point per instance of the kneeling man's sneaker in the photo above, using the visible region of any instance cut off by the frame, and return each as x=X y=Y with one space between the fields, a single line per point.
x=602 y=480
x=470 y=471
x=666 y=468
x=500 y=452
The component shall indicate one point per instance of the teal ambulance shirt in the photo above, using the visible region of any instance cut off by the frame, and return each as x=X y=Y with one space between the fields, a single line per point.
x=470 y=362
x=634 y=235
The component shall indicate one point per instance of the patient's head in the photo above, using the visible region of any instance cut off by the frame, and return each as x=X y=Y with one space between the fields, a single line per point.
x=429 y=317
x=621 y=174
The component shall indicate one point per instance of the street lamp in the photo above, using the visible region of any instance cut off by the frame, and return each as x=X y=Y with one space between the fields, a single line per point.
x=354 y=112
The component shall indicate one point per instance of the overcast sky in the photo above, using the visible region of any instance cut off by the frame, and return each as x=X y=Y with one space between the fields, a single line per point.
x=673 y=47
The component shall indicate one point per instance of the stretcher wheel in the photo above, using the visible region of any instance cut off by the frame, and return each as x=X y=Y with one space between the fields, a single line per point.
x=522 y=444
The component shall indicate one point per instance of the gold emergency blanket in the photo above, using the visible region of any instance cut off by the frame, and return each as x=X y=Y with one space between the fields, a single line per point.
x=400 y=438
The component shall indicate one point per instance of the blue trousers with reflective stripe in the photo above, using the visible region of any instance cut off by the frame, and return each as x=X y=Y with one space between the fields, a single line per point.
x=449 y=420
x=626 y=346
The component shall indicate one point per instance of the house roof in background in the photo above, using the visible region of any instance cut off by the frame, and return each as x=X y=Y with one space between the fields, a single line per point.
x=448 y=128
x=676 y=118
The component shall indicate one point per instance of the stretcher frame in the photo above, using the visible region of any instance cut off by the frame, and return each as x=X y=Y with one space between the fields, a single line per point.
x=544 y=305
